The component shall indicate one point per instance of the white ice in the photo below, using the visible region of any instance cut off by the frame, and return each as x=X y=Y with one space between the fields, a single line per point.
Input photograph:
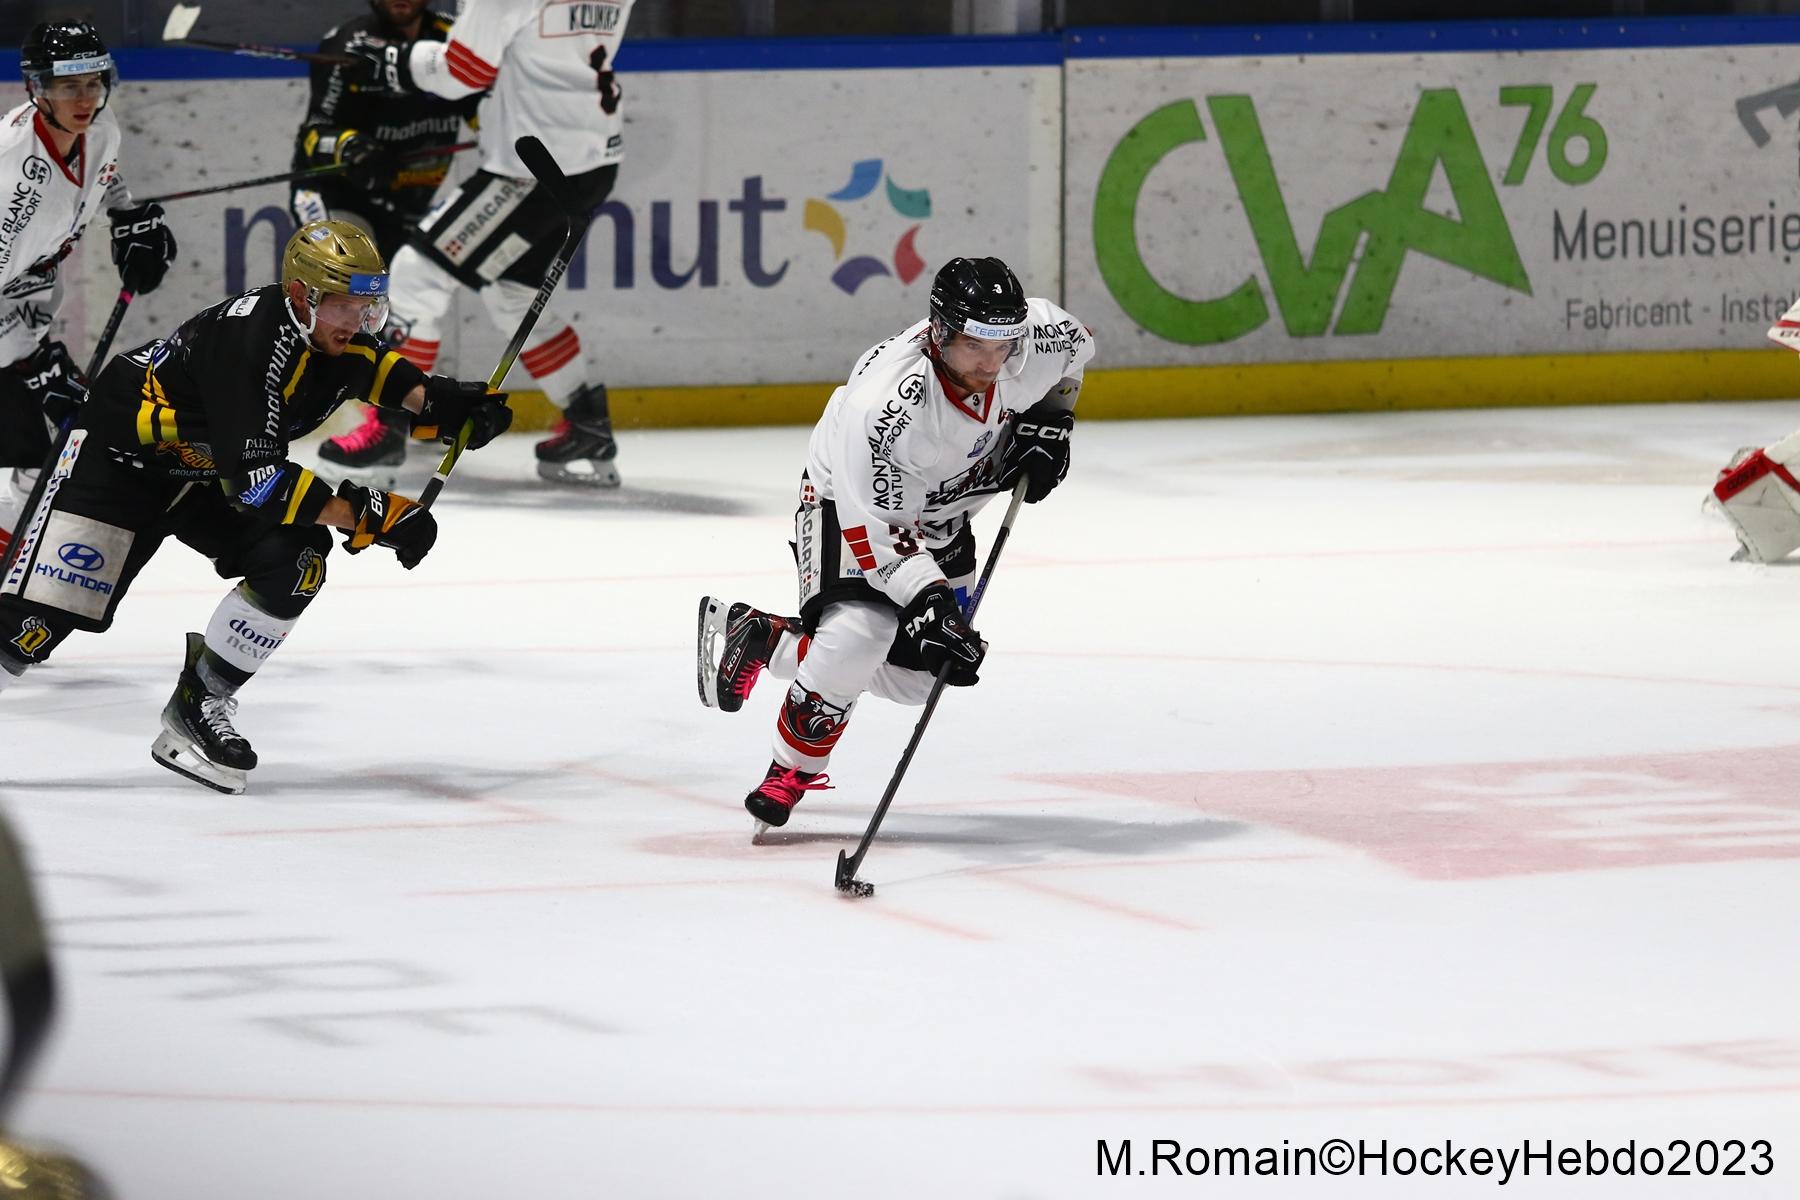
x=1428 y=777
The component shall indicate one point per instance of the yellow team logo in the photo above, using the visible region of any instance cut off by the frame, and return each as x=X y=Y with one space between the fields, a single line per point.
x=33 y=637
x=187 y=456
x=312 y=573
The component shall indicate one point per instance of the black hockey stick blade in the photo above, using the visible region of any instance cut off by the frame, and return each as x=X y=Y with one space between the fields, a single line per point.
x=847 y=882
x=25 y=970
x=549 y=175
x=543 y=167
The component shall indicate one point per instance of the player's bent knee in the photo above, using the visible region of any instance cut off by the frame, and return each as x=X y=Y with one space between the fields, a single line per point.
x=283 y=573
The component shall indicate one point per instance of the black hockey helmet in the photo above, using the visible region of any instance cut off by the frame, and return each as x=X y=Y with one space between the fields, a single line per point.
x=980 y=298
x=978 y=291
x=56 y=50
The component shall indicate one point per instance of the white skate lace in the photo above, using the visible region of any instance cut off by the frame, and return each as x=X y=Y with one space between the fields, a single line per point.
x=216 y=713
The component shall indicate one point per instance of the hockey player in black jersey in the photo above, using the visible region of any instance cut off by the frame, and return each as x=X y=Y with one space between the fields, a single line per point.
x=187 y=437
x=367 y=134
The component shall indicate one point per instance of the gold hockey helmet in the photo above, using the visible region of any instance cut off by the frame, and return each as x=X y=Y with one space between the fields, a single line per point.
x=335 y=258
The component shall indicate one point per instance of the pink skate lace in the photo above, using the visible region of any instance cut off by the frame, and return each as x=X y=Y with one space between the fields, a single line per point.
x=788 y=785
x=363 y=436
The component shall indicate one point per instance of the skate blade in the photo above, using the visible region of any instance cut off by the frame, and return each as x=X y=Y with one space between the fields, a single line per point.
x=706 y=663
x=756 y=835
x=599 y=474
x=180 y=757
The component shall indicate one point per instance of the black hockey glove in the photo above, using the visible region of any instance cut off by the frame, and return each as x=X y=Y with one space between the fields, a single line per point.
x=449 y=402
x=610 y=91
x=934 y=624
x=378 y=67
x=1039 y=450
x=53 y=381
x=142 y=247
x=367 y=163
x=388 y=519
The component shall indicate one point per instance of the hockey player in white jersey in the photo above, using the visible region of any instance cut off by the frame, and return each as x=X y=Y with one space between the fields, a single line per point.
x=1759 y=490
x=547 y=68
x=931 y=425
x=59 y=160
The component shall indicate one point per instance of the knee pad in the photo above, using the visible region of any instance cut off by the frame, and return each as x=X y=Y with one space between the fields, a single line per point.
x=1758 y=494
x=284 y=570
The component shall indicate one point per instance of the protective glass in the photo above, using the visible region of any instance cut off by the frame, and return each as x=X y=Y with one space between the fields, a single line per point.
x=982 y=354
x=335 y=313
x=71 y=89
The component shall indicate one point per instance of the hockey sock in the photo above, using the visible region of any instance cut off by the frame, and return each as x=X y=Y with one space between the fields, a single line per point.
x=239 y=639
x=556 y=364
x=790 y=650
x=552 y=355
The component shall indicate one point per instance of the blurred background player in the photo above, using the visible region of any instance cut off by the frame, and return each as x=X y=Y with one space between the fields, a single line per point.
x=188 y=437
x=366 y=133
x=547 y=68
x=27 y=1172
x=932 y=424
x=60 y=150
x=1758 y=492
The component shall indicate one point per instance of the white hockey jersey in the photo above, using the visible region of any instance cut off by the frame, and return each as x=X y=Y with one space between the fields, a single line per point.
x=45 y=204
x=538 y=58
x=907 y=466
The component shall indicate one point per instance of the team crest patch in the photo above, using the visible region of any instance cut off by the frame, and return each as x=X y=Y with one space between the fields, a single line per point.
x=33 y=636
x=981 y=443
x=813 y=720
x=312 y=573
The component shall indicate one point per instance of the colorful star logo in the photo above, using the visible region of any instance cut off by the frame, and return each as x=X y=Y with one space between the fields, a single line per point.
x=823 y=218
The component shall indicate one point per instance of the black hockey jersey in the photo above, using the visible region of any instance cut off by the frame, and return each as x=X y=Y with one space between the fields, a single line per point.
x=399 y=123
x=224 y=395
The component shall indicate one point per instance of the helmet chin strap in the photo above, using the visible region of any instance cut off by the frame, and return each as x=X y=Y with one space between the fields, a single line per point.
x=312 y=312
x=47 y=110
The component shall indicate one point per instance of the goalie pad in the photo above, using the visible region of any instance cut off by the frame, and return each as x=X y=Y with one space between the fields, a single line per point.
x=1759 y=494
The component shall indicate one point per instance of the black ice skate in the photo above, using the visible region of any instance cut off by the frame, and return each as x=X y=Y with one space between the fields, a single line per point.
x=198 y=739
x=581 y=450
x=781 y=789
x=372 y=453
x=734 y=648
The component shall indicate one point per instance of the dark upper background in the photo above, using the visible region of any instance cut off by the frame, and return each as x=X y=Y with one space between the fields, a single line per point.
x=140 y=22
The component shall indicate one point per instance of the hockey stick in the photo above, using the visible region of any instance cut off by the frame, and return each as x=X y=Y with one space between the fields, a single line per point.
x=183 y=16
x=549 y=176
x=25 y=972
x=306 y=173
x=107 y=334
x=848 y=863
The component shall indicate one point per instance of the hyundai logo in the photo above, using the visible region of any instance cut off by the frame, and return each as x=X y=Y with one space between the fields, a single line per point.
x=82 y=558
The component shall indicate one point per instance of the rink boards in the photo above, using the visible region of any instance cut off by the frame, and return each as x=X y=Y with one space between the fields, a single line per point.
x=1281 y=219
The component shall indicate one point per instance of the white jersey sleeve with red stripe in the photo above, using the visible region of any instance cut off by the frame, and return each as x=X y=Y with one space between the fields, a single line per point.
x=536 y=59
x=47 y=207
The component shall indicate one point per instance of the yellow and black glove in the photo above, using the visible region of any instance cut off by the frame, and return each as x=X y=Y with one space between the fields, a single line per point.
x=449 y=402
x=388 y=519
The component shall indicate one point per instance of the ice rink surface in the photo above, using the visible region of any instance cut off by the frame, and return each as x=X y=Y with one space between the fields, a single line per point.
x=1421 y=777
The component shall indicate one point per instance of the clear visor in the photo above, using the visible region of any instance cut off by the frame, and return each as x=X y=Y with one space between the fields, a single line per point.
x=72 y=89
x=336 y=313
x=982 y=354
